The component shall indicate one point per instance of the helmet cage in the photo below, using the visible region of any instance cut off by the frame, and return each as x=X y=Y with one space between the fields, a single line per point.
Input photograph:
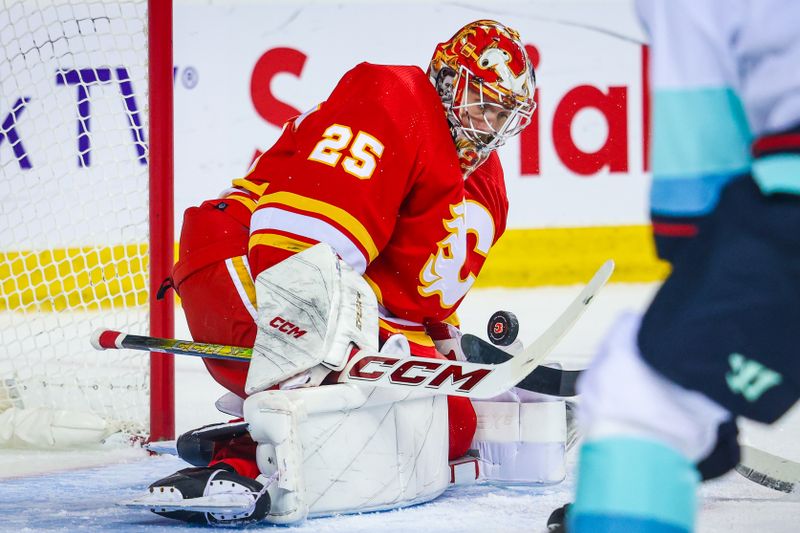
x=485 y=113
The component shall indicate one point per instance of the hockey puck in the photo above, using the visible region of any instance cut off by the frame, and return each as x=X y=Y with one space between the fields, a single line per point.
x=503 y=328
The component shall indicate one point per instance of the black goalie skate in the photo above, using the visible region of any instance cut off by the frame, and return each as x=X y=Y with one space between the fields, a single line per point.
x=207 y=495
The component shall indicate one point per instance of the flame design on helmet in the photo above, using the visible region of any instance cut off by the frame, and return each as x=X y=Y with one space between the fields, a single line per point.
x=492 y=52
x=483 y=64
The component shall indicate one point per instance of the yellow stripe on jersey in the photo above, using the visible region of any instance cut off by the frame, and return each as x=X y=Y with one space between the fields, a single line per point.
x=255 y=188
x=453 y=320
x=249 y=203
x=338 y=215
x=415 y=336
x=375 y=289
x=278 y=241
x=309 y=227
x=243 y=273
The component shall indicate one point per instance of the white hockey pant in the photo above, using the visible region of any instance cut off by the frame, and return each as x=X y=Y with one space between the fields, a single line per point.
x=623 y=396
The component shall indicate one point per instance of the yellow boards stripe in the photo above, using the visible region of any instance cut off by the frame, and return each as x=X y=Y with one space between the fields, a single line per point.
x=565 y=256
x=89 y=278
x=86 y=278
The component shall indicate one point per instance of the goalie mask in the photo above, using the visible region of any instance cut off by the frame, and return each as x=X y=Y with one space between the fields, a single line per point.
x=486 y=83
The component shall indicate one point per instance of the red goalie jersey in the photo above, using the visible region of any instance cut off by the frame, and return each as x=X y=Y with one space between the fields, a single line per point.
x=373 y=171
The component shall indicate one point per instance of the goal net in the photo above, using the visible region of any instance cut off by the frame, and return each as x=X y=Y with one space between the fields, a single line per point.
x=75 y=221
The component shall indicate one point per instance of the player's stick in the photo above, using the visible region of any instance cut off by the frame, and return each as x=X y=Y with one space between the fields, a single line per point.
x=769 y=470
x=438 y=376
x=543 y=379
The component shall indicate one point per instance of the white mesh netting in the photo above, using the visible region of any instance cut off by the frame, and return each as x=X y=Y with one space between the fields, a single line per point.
x=73 y=205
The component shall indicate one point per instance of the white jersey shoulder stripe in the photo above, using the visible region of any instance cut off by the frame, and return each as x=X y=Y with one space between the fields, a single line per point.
x=273 y=218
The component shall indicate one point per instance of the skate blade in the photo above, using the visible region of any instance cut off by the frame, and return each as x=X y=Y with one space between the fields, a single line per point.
x=217 y=503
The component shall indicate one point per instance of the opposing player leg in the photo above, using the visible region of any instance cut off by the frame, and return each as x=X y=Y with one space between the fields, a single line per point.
x=643 y=435
x=717 y=342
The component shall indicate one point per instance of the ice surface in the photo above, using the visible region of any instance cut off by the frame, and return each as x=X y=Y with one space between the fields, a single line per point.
x=86 y=499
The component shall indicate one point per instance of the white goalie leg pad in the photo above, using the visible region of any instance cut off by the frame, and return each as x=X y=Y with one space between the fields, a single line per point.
x=311 y=308
x=345 y=448
x=273 y=419
x=522 y=439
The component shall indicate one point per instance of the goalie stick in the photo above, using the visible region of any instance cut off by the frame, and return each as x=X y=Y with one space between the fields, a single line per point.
x=437 y=376
x=544 y=380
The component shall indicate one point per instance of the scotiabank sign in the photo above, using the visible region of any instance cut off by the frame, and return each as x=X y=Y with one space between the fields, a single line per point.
x=581 y=162
x=610 y=102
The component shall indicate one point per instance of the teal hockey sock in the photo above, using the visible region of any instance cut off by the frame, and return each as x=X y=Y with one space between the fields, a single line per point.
x=633 y=485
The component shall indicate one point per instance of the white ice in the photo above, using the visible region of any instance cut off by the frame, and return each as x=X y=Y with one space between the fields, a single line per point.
x=78 y=490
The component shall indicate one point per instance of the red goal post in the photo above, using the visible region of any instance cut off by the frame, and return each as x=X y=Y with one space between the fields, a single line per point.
x=162 y=238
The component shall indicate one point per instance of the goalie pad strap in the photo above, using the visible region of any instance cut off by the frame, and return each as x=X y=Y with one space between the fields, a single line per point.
x=521 y=442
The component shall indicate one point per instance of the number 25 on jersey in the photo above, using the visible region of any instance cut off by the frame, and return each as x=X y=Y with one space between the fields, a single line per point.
x=363 y=151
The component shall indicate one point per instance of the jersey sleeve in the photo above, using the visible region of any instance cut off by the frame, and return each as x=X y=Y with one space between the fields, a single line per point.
x=337 y=175
x=695 y=103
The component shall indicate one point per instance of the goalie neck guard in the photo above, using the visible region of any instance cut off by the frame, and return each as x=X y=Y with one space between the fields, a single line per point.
x=487 y=83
